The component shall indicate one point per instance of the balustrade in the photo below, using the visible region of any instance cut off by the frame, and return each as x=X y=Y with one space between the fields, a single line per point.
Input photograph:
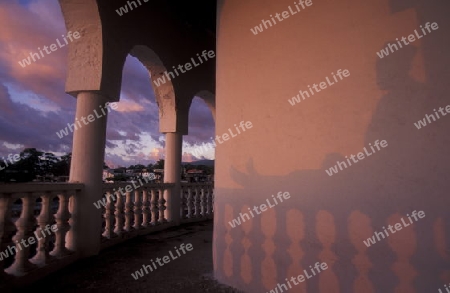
x=44 y=217
x=197 y=199
x=136 y=212
x=31 y=236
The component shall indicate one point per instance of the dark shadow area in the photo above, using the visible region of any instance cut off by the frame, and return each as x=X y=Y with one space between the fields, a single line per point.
x=111 y=270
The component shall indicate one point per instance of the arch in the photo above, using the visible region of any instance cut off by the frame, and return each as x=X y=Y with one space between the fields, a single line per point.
x=96 y=62
x=85 y=57
x=210 y=100
x=172 y=113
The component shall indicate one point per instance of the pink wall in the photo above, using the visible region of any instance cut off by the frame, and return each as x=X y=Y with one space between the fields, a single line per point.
x=290 y=147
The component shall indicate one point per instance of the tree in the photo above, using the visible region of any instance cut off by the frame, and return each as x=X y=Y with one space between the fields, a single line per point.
x=62 y=168
x=139 y=167
x=208 y=170
x=159 y=164
x=120 y=177
x=26 y=169
x=48 y=163
x=31 y=162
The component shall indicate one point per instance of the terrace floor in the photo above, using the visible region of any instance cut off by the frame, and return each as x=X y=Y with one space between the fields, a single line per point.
x=110 y=271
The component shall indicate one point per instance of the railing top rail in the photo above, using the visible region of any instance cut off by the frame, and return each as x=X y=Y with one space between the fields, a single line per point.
x=40 y=187
x=109 y=186
x=197 y=184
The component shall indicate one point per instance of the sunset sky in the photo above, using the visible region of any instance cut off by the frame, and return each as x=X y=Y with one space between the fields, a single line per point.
x=34 y=106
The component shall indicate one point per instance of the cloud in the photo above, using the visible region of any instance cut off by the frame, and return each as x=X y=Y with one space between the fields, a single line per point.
x=201 y=124
x=157 y=154
x=188 y=157
x=129 y=106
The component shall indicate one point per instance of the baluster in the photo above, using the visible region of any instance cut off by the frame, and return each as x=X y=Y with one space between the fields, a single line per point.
x=73 y=235
x=194 y=201
x=197 y=202
x=162 y=206
x=227 y=256
x=6 y=225
x=326 y=234
x=215 y=249
x=189 y=202
x=359 y=224
x=109 y=215
x=146 y=212
x=118 y=230
x=404 y=270
x=128 y=211
x=208 y=200
x=62 y=223
x=24 y=226
x=182 y=203
x=137 y=209
x=202 y=201
x=212 y=200
x=42 y=253
x=154 y=207
x=186 y=202
x=246 y=262
x=269 y=269
x=441 y=242
x=296 y=235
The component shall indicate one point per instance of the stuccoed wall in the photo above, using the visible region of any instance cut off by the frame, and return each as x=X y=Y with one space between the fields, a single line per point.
x=289 y=147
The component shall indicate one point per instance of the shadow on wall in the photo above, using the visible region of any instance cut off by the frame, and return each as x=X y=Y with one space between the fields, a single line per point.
x=327 y=218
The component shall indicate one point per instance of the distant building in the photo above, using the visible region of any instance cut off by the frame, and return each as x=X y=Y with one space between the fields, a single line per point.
x=195 y=175
x=108 y=173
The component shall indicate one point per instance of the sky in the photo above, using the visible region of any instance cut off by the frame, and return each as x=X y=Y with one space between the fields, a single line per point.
x=34 y=105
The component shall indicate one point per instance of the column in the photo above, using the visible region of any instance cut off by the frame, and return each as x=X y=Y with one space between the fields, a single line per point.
x=172 y=174
x=87 y=167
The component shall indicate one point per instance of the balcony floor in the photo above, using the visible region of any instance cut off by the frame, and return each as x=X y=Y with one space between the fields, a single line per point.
x=111 y=270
